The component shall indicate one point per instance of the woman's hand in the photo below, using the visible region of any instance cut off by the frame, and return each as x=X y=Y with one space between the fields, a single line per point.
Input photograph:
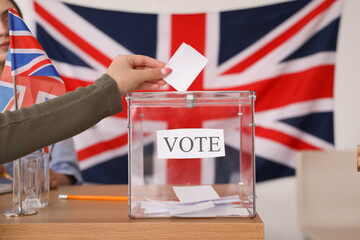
x=137 y=72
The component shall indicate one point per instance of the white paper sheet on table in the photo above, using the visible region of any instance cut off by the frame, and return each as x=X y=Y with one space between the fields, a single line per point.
x=186 y=64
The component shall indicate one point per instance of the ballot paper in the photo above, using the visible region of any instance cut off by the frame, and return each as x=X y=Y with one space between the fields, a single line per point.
x=219 y=207
x=195 y=201
x=186 y=64
x=218 y=211
x=190 y=194
x=192 y=208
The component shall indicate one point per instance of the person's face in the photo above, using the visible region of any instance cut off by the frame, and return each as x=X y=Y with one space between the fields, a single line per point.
x=4 y=28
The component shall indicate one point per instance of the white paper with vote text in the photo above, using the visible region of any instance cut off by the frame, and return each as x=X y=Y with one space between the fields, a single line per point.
x=190 y=143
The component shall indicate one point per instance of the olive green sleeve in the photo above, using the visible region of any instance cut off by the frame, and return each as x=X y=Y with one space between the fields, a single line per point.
x=32 y=128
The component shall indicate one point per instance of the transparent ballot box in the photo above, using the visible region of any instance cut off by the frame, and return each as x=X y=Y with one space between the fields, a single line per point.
x=191 y=154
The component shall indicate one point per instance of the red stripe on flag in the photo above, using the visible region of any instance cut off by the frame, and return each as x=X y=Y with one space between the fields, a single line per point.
x=308 y=85
x=26 y=42
x=6 y=74
x=191 y=30
x=72 y=36
x=280 y=39
x=34 y=84
x=35 y=67
x=13 y=11
x=46 y=150
x=102 y=147
x=73 y=83
x=287 y=140
x=314 y=83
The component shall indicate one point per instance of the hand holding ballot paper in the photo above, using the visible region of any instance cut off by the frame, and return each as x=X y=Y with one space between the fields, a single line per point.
x=132 y=72
x=86 y=106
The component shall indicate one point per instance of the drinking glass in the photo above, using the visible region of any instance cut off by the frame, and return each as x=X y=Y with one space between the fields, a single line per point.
x=34 y=181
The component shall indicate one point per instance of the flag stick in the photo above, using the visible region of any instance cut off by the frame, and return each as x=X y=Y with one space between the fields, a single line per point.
x=17 y=169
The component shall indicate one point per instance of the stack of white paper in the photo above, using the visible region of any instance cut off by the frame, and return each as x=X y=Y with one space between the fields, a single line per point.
x=195 y=201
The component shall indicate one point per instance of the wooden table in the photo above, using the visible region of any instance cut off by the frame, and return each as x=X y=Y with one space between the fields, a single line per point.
x=87 y=219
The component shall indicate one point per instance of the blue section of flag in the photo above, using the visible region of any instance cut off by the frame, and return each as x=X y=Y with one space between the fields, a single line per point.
x=323 y=41
x=317 y=124
x=47 y=70
x=6 y=94
x=267 y=170
x=136 y=32
x=17 y=23
x=244 y=27
x=55 y=50
x=22 y=59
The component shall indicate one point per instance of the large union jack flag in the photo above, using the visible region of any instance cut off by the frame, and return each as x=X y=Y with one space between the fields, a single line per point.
x=36 y=77
x=284 y=52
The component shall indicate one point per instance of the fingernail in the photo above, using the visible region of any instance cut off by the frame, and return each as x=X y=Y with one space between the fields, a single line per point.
x=166 y=71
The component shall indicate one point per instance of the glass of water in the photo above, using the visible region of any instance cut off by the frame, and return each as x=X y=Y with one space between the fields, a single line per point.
x=34 y=181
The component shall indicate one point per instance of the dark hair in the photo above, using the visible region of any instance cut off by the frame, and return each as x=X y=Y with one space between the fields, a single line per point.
x=16 y=7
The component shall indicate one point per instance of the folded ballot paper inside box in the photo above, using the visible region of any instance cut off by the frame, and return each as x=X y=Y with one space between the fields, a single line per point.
x=191 y=154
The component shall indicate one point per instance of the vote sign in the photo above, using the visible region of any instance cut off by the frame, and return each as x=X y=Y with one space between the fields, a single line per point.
x=190 y=143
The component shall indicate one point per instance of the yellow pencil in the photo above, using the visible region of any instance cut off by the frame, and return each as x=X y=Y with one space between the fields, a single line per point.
x=93 y=197
x=6 y=175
